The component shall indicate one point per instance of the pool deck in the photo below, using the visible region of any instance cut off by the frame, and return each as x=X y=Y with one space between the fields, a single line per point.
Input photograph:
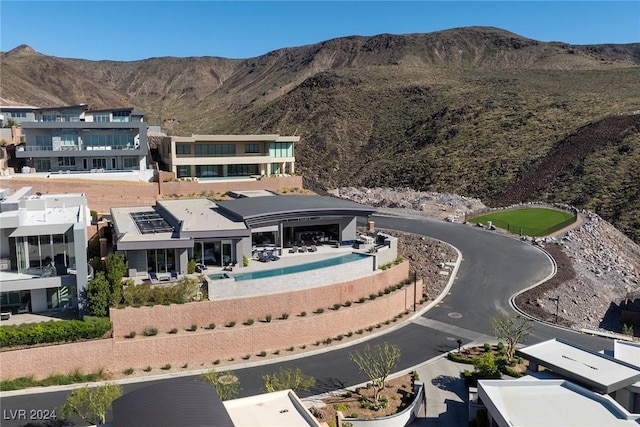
x=228 y=288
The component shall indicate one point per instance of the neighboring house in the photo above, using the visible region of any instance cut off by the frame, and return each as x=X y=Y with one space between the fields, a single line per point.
x=164 y=237
x=576 y=387
x=18 y=114
x=186 y=402
x=228 y=156
x=75 y=139
x=43 y=250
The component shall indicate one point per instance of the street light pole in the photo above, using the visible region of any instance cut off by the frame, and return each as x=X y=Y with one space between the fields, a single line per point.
x=557 y=300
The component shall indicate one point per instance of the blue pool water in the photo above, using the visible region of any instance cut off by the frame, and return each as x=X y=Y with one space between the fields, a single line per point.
x=300 y=267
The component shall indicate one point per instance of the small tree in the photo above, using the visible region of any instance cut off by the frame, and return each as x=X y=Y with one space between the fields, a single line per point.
x=286 y=379
x=116 y=269
x=486 y=366
x=226 y=383
x=91 y=404
x=512 y=329
x=98 y=295
x=377 y=363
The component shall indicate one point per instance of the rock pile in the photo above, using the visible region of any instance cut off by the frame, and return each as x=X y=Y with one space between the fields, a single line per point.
x=600 y=265
x=439 y=205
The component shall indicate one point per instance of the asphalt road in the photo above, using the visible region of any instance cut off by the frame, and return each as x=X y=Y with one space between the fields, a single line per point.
x=494 y=268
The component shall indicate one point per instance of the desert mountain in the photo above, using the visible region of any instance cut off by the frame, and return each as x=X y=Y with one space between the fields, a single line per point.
x=477 y=111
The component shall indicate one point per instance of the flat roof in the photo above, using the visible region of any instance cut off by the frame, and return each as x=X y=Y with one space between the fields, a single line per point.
x=597 y=371
x=236 y=138
x=280 y=408
x=129 y=236
x=543 y=403
x=198 y=215
x=256 y=209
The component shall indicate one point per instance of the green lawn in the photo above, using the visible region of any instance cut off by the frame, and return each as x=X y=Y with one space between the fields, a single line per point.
x=529 y=221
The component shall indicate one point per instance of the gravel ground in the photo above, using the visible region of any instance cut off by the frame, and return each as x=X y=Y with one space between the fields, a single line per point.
x=598 y=266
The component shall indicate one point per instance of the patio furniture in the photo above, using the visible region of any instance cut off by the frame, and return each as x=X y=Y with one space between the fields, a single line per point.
x=24 y=307
x=312 y=248
x=262 y=257
x=5 y=315
x=272 y=256
x=153 y=277
x=293 y=249
x=200 y=268
x=229 y=265
x=174 y=275
x=302 y=249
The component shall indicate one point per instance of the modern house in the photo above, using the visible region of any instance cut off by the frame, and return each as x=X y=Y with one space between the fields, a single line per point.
x=164 y=237
x=43 y=250
x=228 y=156
x=17 y=113
x=568 y=385
x=75 y=139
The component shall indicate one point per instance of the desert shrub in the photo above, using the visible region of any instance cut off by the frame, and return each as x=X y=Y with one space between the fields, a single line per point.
x=148 y=369
x=166 y=367
x=267 y=318
x=284 y=316
x=319 y=311
x=248 y=322
x=231 y=324
x=336 y=306
x=303 y=314
x=131 y=334
x=193 y=327
x=347 y=304
x=262 y=353
x=128 y=371
x=173 y=331
x=150 y=331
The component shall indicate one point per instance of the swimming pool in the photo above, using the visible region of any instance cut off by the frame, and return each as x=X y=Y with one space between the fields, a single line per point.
x=300 y=267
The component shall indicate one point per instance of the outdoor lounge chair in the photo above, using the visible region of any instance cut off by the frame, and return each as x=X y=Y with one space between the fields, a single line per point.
x=302 y=249
x=272 y=256
x=5 y=315
x=262 y=257
x=200 y=268
x=174 y=275
x=153 y=277
x=312 y=248
x=229 y=265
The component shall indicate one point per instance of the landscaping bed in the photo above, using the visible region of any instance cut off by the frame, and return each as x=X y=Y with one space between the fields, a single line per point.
x=397 y=392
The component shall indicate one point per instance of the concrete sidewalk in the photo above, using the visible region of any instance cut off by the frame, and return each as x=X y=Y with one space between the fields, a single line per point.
x=446 y=394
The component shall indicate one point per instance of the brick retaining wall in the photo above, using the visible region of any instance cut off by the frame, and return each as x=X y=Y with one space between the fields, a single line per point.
x=205 y=346
x=221 y=312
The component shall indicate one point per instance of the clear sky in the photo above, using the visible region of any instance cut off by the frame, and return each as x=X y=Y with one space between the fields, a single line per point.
x=131 y=30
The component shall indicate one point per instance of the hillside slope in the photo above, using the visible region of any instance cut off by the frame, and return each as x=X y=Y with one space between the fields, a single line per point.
x=474 y=111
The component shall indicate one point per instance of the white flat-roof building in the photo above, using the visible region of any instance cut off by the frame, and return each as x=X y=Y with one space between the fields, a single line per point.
x=577 y=387
x=43 y=250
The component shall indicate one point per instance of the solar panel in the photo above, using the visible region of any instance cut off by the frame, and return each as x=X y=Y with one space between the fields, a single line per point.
x=151 y=222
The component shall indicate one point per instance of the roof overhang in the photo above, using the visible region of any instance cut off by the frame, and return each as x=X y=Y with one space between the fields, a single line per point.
x=35 y=230
x=596 y=371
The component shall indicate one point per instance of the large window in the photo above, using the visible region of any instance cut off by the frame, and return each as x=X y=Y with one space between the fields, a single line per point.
x=183 y=148
x=130 y=163
x=101 y=117
x=204 y=171
x=281 y=149
x=62 y=297
x=66 y=162
x=99 y=163
x=41 y=253
x=50 y=118
x=242 y=170
x=161 y=260
x=43 y=141
x=184 y=171
x=69 y=139
x=121 y=116
x=116 y=141
x=252 y=148
x=215 y=150
x=42 y=165
x=17 y=114
x=71 y=117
